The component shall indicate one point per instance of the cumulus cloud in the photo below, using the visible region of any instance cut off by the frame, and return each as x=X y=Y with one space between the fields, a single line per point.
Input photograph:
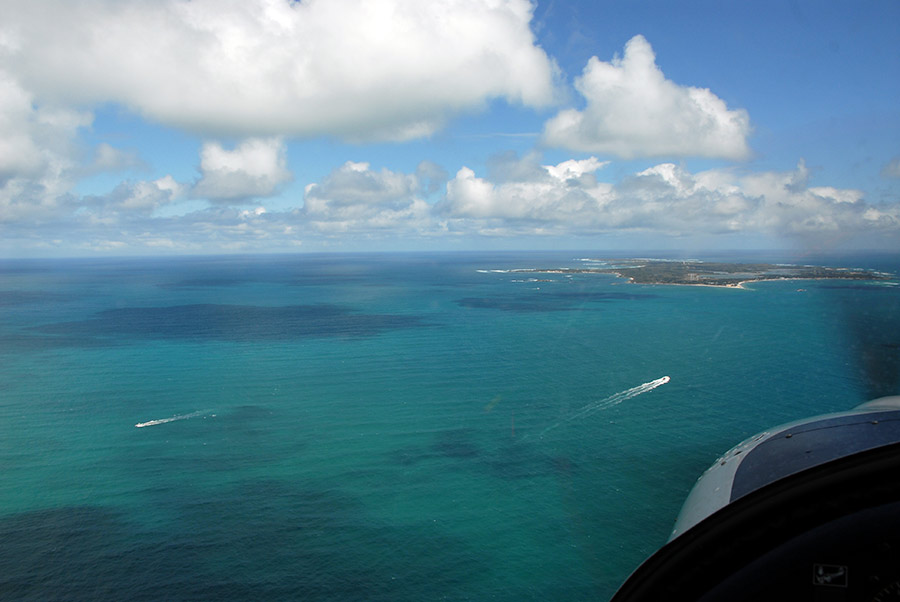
x=574 y=170
x=255 y=168
x=129 y=201
x=632 y=110
x=567 y=193
x=665 y=199
x=393 y=69
x=20 y=153
x=149 y=196
x=355 y=197
x=521 y=197
x=38 y=152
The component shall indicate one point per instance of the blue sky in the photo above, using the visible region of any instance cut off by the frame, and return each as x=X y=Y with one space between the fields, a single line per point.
x=170 y=127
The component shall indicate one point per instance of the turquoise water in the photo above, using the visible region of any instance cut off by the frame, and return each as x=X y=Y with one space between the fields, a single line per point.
x=387 y=427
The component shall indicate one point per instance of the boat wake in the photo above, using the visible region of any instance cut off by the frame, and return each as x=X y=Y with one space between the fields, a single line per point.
x=172 y=419
x=608 y=402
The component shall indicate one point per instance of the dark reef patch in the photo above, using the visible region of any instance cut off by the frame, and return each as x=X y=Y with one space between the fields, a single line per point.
x=871 y=324
x=256 y=540
x=601 y=297
x=511 y=460
x=519 y=304
x=88 y=553
x=17 y=298
x=547 y=302
x=455 y=444
x=198 y=283
x=236 y=323
x=517 y=460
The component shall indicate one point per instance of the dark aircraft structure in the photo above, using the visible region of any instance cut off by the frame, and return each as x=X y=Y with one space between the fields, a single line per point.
x=809 y=510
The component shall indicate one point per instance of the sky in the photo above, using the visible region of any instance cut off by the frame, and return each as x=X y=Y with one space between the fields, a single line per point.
x=130 y=127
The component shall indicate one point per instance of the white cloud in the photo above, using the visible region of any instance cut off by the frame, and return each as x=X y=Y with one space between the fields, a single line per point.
x=19 y=151
x=155 y=194
x=250 y=214
x=25 y=200
x=672 y=200
x=519 y=197
x=354 y=197
x=572 y=169
x=665 y=199
x=255 y=168
x=38 y=153
x=355 y=184
x=129 y=201
x=634 y=111
x=392 y=69
x=551 y=194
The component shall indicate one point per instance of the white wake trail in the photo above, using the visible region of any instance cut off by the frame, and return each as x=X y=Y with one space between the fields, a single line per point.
x=172 y=419
x=608 y=402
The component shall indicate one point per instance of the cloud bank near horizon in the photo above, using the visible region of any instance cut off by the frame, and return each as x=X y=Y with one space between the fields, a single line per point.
x=521 y=198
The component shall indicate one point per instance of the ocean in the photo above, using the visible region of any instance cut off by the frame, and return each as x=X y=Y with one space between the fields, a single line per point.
x=390 y=426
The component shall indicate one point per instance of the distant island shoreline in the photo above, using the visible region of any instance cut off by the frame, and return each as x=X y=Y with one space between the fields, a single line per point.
x=715 y=274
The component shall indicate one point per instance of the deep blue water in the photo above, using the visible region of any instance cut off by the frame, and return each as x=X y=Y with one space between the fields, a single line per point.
x=389 y=427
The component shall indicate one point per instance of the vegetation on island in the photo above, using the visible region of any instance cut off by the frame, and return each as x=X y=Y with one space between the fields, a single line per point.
x=659 y=271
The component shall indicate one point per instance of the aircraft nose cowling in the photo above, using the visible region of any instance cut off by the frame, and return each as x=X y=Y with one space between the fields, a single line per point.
x=787 y=449
x=807 y=510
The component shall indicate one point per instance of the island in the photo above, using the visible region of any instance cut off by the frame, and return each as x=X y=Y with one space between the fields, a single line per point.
x=706 y=273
